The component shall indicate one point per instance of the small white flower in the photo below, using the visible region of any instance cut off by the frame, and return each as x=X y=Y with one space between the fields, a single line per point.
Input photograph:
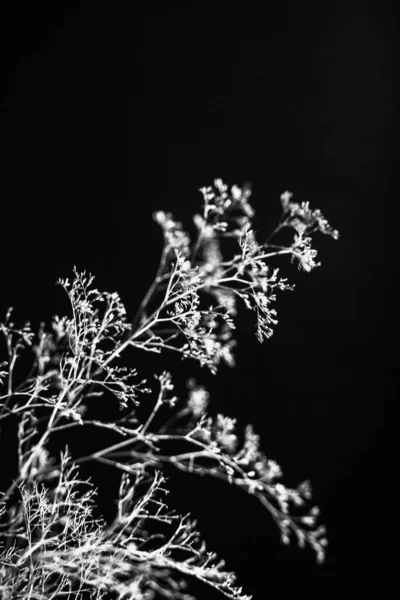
x=308 y=521
x=198 y=400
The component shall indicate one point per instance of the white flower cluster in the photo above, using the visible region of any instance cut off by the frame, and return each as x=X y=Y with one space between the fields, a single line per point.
x=174 y=236
x=303 y=219
x=201 y=268
x=198 y=398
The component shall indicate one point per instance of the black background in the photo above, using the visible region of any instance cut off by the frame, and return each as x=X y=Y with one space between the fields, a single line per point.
x=110 y=113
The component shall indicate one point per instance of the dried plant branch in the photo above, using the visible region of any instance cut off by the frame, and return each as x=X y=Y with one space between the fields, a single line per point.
x=50 y=543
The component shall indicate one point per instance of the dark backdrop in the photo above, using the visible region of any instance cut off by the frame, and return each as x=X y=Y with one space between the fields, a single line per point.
x=110 y=113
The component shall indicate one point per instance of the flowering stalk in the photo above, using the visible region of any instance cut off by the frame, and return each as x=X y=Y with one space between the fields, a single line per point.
x=49 y=541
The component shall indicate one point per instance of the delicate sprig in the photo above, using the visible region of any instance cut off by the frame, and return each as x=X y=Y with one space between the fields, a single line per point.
x=184 y=278
x=211 y=446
